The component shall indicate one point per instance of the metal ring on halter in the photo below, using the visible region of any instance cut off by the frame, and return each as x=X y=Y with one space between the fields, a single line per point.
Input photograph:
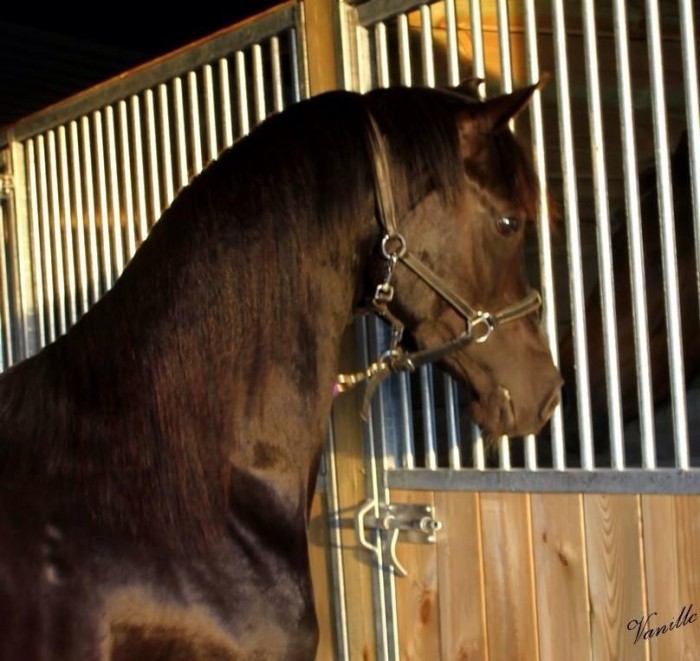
x=397 y=359
x=396 y=254
x=488 y=321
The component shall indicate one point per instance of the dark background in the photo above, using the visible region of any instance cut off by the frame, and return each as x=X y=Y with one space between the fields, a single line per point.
x=49 y=53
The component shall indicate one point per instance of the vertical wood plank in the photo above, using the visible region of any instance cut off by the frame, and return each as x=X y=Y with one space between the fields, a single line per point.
x=321 y=45
x=671 y=551
x=511 y=611
x=561 y=578
x=416 y=594
x=615 y=570
x=318 y=560
x=461 y=578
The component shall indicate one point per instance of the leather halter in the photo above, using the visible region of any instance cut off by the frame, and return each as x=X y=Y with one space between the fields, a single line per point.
x=479 y=324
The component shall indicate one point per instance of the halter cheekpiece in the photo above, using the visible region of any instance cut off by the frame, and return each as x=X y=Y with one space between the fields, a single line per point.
x=479 y=324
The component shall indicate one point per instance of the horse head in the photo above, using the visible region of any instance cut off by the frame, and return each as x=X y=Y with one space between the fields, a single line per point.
x=455 y=273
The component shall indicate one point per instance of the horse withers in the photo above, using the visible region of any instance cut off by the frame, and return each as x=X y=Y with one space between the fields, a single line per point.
x=157 y=462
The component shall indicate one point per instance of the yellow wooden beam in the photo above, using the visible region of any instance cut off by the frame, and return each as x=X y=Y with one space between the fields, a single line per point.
x=319 y=18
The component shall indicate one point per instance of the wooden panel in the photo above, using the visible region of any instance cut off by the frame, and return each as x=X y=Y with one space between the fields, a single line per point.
x=671 y=550
x=548 y=577
x=615 y=573
x=461 y=578
x=561 y=576
x=320 y=44
x=416 y=594
x=318 y=558
x=511 y=616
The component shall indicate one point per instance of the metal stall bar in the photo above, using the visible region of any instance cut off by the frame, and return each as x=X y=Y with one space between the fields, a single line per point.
x=453 y=75
x=477 y=33
x=126 y=181
x=210 y=113
x=668 y=238
x=115 y=211
x=692 y=104
x=47 y=255
x=404 y=51
x=258 y=84
x=93 y=257
x=276 y=66
x=382 y=56
x=635 y=240
x=152 y=148
x=80 y=265
x=573 y=235
x=180 y=133
x=166 y=153
x=427 y=398
x=21 y=238
x=504 y=54
x=426 y=42
x=300 y=83
x=102 y=194
x=65 y=212
x=57 y=236
x=242 y=92
x=544 y=235
x=454 y=452
x=226 y=108
x=141 y=219
x=604 y=236
x=35 y=231
x=195 y=124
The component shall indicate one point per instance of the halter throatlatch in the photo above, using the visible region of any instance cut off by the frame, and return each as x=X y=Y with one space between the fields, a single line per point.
x=479 y=324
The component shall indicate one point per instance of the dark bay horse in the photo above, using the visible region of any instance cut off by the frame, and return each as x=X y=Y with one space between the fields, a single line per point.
x=157 y=462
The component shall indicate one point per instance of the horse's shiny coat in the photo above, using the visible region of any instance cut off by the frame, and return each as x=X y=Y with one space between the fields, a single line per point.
x=157 y=462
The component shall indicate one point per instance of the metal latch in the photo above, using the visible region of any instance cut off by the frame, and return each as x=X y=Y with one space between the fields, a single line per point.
x=416 y=521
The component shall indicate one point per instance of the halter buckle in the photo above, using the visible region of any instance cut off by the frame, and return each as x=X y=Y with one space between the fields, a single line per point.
x=400 y=250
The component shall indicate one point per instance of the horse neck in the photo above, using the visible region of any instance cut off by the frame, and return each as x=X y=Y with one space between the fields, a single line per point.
x=188 y=379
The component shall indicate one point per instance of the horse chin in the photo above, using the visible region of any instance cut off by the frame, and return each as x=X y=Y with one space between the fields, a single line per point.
x=495 y=413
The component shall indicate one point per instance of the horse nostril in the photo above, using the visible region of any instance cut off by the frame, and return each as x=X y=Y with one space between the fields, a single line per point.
x=548 y=407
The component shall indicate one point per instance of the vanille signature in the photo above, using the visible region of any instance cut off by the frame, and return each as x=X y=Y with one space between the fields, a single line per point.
x=644 y=630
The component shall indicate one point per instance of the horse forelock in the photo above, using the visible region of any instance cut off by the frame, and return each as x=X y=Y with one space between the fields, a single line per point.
x=425 y=148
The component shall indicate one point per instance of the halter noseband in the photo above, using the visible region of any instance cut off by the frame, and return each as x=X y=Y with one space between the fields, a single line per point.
x=479 y=324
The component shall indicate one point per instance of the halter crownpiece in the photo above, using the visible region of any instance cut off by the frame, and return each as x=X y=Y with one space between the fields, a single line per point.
x=479 y=324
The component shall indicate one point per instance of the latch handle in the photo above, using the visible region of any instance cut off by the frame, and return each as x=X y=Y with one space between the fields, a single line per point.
x=417 y=520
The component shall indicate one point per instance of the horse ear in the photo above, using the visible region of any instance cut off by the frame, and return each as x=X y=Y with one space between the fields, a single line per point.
x=493 y=115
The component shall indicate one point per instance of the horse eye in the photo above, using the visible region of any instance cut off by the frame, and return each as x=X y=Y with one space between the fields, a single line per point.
x=508 y=225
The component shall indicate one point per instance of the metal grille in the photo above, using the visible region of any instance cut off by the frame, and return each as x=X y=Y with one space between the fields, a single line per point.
x=91 y=176
x=603 y=136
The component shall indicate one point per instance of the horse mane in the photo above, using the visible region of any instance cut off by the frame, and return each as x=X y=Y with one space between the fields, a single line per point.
x=125 y=412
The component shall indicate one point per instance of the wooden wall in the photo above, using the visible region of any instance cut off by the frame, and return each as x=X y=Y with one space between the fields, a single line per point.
x=543 y=577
